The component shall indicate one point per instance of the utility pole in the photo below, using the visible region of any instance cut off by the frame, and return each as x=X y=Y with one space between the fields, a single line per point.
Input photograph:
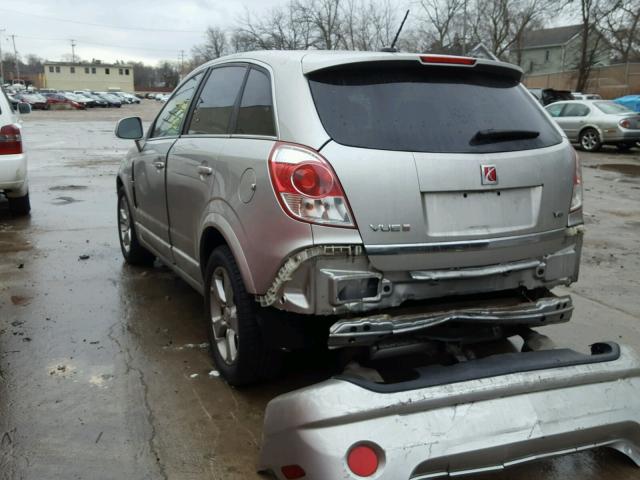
x=464 y=29
x=73 y=51
x=2 y=30
x=15 y=56
x=181 y=63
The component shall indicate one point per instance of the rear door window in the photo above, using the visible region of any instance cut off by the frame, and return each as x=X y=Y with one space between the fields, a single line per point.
x=407 y=106
x=213 y=110
x=255 y=115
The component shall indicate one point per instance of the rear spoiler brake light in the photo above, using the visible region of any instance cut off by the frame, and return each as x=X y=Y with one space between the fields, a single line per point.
x=447 y=59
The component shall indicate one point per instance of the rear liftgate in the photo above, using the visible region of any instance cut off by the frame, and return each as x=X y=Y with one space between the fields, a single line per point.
x=480 y=415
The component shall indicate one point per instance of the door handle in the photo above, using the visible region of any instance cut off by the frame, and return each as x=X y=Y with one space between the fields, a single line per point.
x=158 y=164
x=204 y=170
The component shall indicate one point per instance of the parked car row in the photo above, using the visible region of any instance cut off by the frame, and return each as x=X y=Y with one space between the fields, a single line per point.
x=76 y=100
x=157 y=96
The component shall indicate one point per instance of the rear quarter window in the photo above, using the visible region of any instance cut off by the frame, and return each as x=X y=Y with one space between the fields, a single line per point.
x=407 y=106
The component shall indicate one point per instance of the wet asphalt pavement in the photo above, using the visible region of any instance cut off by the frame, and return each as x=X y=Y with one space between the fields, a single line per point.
x=104 y=369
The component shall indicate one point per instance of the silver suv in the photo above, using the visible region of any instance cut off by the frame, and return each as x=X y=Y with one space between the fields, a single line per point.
x=367 y=198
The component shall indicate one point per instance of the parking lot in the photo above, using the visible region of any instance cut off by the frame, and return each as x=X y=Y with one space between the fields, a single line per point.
x=104 y=368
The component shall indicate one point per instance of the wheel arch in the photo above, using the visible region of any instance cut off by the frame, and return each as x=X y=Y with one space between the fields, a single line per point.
x=215 y=234
x=590 y=125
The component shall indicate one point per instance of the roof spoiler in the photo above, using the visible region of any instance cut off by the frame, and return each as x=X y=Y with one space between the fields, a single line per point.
x=316 y=62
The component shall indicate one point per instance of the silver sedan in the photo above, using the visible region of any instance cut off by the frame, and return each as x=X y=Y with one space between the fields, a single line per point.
x=593 y=123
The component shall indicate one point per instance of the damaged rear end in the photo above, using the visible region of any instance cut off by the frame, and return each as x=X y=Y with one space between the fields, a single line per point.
x=454 y=182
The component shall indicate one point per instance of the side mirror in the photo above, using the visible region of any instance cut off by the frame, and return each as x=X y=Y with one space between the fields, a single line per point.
x=129 y=128
x=24 y=108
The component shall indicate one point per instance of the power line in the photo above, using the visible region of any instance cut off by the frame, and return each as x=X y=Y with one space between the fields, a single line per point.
x=127 y=47
x=101 y=25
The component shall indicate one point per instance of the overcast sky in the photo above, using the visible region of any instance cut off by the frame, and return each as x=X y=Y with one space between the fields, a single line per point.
x=118 y=30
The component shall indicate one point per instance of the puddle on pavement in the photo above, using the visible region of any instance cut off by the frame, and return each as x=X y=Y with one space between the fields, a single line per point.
x=64 y=200
x=624 y=168
x=68 y=187
x=13 y=242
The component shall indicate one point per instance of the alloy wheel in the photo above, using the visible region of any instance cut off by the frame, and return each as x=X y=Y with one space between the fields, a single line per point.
x=589 y=140
x=124 y=224
x=224 y=315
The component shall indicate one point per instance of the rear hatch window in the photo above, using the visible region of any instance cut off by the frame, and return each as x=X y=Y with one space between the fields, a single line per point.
x=408 y=106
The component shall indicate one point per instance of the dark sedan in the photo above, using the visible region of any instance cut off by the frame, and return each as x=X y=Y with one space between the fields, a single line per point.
x=110 y=99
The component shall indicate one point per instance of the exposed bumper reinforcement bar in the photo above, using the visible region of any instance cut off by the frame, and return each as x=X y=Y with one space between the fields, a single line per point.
x=466 y=427
x=477 y=272
x=364 y=331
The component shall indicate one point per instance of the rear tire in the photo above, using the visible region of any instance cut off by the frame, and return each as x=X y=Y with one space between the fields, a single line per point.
x=590 y=140
x=132 y=251
x=237 y=344
x=20 y=206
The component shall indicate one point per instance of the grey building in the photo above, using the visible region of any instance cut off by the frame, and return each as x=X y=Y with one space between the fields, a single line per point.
x=557 y=49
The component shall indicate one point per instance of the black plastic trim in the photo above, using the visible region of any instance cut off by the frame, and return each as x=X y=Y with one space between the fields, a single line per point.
x=493 y=366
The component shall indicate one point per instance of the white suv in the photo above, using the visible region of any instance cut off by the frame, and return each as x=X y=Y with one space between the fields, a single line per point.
x=13 y=160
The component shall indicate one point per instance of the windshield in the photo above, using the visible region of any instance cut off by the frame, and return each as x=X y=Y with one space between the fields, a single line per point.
x=611 y=108
x=409 y=107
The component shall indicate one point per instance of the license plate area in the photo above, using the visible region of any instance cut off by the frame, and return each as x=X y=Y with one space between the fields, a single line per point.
x=486 y=212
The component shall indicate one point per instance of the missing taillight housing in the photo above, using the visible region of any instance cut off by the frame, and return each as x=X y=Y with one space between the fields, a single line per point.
x=307 y=187
x=447 y=59
x=576 y=196
x=10 y=140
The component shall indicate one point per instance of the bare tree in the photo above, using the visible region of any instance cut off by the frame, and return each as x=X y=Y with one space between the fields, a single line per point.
x=367 y=25
x=282 y=28
x=441 y=19
x=215 y=45
x=324 y=16
x=593 y=14
x=622 y=29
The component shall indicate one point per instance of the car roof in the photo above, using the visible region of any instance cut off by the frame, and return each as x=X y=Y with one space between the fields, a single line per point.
x=313 y=60
x=585 y=101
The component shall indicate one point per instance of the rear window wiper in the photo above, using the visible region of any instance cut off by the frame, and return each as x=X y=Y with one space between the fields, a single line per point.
x=494 y=136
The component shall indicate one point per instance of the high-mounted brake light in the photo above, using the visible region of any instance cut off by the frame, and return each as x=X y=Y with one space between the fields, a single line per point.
x=576 y=197
x=363 y=460
x=307 y=187
x=447 y=59
x=10 y=140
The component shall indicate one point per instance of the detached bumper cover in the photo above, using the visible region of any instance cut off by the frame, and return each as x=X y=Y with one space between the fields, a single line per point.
x=460 y=428
x=369 y=330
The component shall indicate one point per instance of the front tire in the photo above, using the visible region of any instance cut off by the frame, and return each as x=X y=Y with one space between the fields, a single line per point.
x=20 y=206
x=132 y=251
x=236 y=339
x=590 y=140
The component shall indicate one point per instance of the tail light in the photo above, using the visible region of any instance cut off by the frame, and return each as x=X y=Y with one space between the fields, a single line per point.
x=10 y=140
x=307 y=187
x=363 y=460
x=625 y=123
x=576 y=197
